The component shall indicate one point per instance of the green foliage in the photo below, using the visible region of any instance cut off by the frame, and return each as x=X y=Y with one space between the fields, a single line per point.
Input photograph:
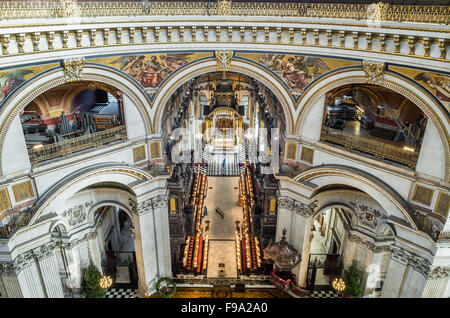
x=91 y=283
x=166 y=287
x=352 y=280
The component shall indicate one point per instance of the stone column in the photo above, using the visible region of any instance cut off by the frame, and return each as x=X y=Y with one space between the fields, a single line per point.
x=297 y=218
x=395 y=272
x=94 y=248
x=9 y=285
x=416 y=279
x=145 y=245
x=438 y=281
x=48 y=267
x=28 y=276
x=251 y=104
x=161 y=221
x=198 y=112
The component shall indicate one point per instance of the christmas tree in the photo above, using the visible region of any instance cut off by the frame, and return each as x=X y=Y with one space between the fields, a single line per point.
x=352 y=280
x=91 y=283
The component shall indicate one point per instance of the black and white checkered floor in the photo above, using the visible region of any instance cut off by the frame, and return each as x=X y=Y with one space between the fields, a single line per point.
x=121 y=293
x=325 y=294
x=132 y=293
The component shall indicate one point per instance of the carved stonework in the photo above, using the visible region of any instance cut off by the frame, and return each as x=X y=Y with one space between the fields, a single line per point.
x=44 y=251
x=160 y=201
x=223 y=7
x=367 y=215
x=6 y=268
x=421 y=265
x=224 y=60
x=374 y=71
x=77 y=214
x=439 y=272
x=298 y=207
x=359 y=240
x=145 y=207
x=399 y=254
x=22 y=261
x=73 y=69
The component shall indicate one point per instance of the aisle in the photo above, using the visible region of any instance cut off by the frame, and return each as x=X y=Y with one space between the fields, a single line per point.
x=222 y=248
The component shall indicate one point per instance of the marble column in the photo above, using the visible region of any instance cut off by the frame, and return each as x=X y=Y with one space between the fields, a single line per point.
x=145 y=245
x=28 y=276
x=438 y=282
x=48 y=267
x=161 y=220
x=296 y=217
x=94 y=248
x=9 y=284
x=395 y=272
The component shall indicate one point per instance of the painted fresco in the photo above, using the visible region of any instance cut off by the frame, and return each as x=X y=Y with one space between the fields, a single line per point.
x=150 y=70
x=438 y=84
x=13 y=78
x=297 y=71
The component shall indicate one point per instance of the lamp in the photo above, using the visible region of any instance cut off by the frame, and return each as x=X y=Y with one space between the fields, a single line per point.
x=338 y=284
x=105 y=282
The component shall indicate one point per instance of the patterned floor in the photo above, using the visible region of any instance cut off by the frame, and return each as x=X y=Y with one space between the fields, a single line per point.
x=325 y=294
x=132 y=293
x=121 y=293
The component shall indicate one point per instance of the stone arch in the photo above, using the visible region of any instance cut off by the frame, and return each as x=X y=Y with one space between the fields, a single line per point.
x=406 y=87
x=238 y=66
x=55 y=77
x=53 y=198
x=391 y=202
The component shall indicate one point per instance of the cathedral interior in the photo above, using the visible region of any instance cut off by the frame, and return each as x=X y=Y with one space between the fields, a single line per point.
x=225 y=149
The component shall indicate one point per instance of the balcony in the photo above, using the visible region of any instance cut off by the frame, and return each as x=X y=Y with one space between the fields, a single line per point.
x=374 y=147
x=67 y=147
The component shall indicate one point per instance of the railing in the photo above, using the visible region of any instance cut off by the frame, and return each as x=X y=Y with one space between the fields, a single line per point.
x=20 y=219
x=10 y=10
x=377 y=148
x=69 y=146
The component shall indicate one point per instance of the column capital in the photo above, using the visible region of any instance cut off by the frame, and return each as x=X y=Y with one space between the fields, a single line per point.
x=6 y=268
x=298 y=207
x=22 y=261
x=44 y=250
x=399 y=254
x=439 y=272
x=421 y=265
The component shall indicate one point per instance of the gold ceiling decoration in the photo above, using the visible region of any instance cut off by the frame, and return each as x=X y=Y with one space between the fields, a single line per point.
x=224 y=60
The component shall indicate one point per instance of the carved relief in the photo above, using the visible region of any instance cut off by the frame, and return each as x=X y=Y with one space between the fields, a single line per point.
x=298 y=207
x=73 y=69
x=44 y=251
x=367 y=215
x=22 y=261
x=6 y=268
x=224 y=7
x=77 y=214
x=374 y=71
x=439 y=272
x=224 y=60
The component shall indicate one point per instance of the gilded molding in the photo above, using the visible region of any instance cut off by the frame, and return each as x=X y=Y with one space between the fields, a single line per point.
x=374 y=71
x=73 y=69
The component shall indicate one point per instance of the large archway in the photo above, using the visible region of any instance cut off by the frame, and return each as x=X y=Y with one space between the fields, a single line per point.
x=423 y=99
x=56 y=77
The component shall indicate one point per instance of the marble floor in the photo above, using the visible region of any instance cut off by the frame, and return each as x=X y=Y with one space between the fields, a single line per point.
x=222 y=192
